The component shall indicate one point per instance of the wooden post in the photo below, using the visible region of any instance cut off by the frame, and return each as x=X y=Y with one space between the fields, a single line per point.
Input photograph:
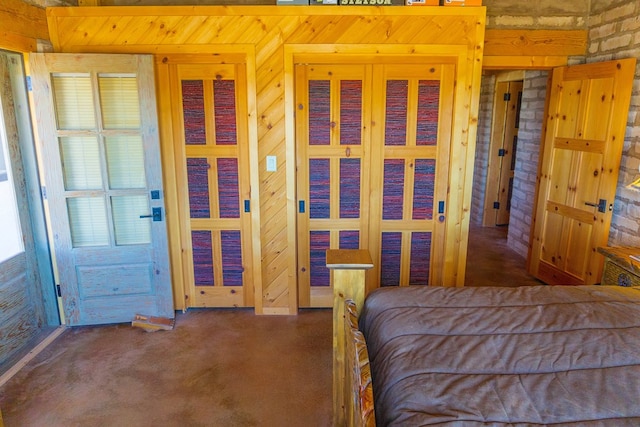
x=348 y=268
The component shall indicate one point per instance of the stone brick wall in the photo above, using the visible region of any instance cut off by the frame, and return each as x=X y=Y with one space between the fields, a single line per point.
x=485 y=118
x=548 y=14
x=527 y=155
x=614 y=32
x=51 y=3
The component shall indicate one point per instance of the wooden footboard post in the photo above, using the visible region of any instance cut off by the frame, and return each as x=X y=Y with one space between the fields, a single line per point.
x=348 y=268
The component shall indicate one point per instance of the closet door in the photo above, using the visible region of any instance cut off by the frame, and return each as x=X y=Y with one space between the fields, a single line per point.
x=413 y=104
x=332 y=107
x=372 y=171
x=213 y=157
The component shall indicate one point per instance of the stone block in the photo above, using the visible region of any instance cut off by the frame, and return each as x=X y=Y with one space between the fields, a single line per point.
x=555 y=7
x=613 y=43
x=514 y=21
x=557 y=21
x=630 y=24
x=602 y=31
x=620 y=12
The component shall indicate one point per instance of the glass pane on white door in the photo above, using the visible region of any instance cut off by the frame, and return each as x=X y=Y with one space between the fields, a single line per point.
x=81 y=163
x=130 y=229
x=119 y=101
x=88 y=221
x=10 y=229
x=74 y=101
x=125 y=162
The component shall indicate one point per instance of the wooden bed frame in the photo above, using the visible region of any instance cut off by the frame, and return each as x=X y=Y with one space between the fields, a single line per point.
x=352 y=381
x=352 y=387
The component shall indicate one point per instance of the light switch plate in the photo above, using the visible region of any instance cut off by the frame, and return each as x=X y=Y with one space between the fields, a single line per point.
x=272 y=164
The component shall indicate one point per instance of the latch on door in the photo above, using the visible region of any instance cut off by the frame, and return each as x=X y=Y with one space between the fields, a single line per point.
x=156 y=214
x=601 y=205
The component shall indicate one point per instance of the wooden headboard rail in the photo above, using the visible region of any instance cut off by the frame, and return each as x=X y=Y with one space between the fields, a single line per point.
x=350 y=359
x=358 y=386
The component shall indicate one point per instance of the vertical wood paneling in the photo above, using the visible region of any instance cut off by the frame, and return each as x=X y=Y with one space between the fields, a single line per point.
x=22 y=306
x=270 y=31
x=19 y=317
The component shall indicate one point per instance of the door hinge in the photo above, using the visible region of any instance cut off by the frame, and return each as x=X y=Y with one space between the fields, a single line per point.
x=43 y=190
x=507 y=96
x=496 y=205
x=58 y=291
x=29 y=85
x=501 y=152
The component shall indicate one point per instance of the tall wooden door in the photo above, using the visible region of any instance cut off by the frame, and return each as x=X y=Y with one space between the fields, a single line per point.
x=586 y=123
x=504 y=144
x=369 y=151
x=212 y=155
x=410 y=172
x=333 y=170
x=97 y=126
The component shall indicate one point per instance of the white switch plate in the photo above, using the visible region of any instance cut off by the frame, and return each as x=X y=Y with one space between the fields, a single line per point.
x=272 y=164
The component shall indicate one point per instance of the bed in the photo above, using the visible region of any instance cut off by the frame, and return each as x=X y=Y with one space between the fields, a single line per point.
x=517 y=356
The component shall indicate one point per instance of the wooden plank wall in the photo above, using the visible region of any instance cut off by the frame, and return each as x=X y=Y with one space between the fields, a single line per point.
x=21 y=25
x=271 y=32
x=19 y=318
x=22 y=312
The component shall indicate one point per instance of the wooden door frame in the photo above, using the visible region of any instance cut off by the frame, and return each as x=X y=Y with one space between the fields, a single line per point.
x=242 y=56
x=497 y=128
x=462 y=146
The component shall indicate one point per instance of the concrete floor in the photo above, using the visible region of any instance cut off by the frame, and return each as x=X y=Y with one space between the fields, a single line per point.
x=216 y=368
x=490 y=262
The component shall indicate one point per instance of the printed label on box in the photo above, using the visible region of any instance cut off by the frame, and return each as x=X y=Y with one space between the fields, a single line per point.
x=423 y=2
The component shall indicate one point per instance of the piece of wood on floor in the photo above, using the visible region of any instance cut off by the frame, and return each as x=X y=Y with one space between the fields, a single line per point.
x=153 y=323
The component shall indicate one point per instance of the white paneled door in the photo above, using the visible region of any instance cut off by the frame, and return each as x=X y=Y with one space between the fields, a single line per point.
x=100 y=156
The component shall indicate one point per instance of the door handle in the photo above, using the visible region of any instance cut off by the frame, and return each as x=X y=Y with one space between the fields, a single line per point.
x=156 y=214
x=601 y=205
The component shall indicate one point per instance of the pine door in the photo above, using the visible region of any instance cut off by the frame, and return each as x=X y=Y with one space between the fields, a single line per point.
x=368 y=154
x=212 y=157
x=413 y=104
x=333 y=170
x=502 y=153
x=585 y=128
x=100 y=155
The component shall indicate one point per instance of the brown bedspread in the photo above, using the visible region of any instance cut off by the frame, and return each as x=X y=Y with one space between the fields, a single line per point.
x=529 y=355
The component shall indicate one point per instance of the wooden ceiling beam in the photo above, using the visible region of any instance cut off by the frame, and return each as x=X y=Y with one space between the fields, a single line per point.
x=540 y=43
x=21 y=25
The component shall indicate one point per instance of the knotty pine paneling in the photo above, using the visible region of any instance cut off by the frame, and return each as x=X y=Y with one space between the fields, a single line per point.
x=268 y=30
